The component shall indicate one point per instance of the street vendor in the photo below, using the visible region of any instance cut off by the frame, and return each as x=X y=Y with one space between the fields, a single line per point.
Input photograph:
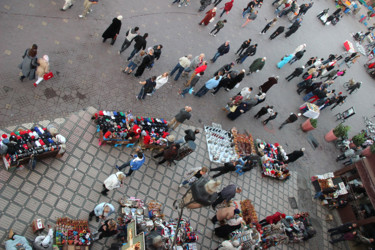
x=272 y=219
x=225 y=213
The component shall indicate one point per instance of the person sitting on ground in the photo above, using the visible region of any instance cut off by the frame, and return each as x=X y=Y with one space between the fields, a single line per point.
x=193 y=175
x=16 y=242
x=189 y=136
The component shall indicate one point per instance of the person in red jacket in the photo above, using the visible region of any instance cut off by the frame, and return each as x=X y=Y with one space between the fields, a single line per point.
x=227 y=7
x=199 y=69
x=272 y=219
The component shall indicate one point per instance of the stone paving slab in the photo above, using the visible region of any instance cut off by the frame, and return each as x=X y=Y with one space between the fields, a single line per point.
x=70 y=186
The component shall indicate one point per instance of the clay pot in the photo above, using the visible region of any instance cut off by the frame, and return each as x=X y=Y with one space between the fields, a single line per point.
x=366 y=152
x=330 y=136
x=306 y=126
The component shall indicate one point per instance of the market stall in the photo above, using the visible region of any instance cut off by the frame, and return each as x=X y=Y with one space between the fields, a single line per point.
x=123 y=128
x=225 y=146
x=310 y=110
x=72 y=234
x=328 y=180
x=150 y=220
x=272 y=158
x=25 y=147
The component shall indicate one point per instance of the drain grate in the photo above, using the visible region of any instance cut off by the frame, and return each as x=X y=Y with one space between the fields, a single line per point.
x=293 y=202
x=313 y=142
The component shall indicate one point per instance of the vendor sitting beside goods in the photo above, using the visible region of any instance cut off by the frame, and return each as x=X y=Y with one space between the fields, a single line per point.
x=230 y=245
x=16 y=242
x=232 y=224
x=326 y=191
x=44 y=242
x=225 y=213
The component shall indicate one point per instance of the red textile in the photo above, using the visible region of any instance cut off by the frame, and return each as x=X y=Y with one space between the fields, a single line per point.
x=273 y=219
x=228 y=6
x=200 y=69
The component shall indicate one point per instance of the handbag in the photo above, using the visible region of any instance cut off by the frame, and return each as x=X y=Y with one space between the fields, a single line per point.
x=48 y=76
x=211 y=20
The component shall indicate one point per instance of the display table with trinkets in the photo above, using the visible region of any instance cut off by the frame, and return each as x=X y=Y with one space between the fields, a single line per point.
x=26 y=147
x=72 y=234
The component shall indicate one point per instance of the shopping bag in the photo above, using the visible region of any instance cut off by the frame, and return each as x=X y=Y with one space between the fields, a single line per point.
x=48 y=76
x=211 y=20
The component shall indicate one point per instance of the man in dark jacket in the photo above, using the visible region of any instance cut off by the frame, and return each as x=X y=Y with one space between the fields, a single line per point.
x=157 y=51
x=225 y=69
x=250 y=51
x=292 y=118
x=225 y=81
x=277 y=32
x=189 y=136
x=236 y=80
x=169 y=154
x=297 y=56
x=297 y=72
x=130 y=35
x=183 y=115
x=292 y=157
x=244 y=46
x=140 y=43
x=344 y=228
x=226 y=194
x=146 y=61
x=222 y=50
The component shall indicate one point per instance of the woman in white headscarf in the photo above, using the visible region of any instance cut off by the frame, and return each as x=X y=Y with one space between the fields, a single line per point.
x=42 y=69
x=113 y=181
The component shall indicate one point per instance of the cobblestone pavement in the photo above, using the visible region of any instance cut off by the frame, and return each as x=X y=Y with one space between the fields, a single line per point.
x=90 y=75
x=71 y=186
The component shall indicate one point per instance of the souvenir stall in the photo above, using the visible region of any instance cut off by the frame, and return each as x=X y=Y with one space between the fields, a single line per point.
x=328 y=180
x=149 y=218
x=119 y=128
x=25 y=147
x=272 y=158
x=310 y=110
x=72 y=234
x=225 y=146
x=248 y=236
x=292 y=229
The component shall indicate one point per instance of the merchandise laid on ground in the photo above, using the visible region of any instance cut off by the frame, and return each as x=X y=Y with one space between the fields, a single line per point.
x=226 y=146
x=74 y=233
x=24 y=147
x=310 y=110
x=272 y=158
x=122 y=128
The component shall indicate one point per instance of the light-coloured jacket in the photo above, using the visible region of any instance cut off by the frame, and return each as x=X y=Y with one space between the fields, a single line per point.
x=113 y=181
x=184 y=61
x=99 y=209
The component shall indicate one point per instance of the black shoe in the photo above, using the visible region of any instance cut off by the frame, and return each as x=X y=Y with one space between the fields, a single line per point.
x=63 y=9
x=90 y=218
x=104 y=193
x=247 y=74
x=70 y=6
x=97 y=219
x=22 y=77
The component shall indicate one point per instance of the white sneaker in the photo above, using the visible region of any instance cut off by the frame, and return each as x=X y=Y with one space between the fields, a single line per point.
x=80 y=16
x=180 y=186
x=179 y=6
x=214 y=34
x=90 y=10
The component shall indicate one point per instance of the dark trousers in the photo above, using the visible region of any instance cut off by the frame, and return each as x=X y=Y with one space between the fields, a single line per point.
x=135 y=51
x=290 y=77
x=219 y=200
x=222 y=170
x=214 y=219
x=217 y=2
x=105 y=190
x=263 y=223
x=142 y=94
x=112 y=42
x=274 y=35
x=92 y=214
x=341 y=238
x=160 y=155
x=217 y=30
x=268 y=119
x=284 y=123
x=259 y=114
x=334 y=106
x=240 y=50
x=264 y=30
x=341 y=157
x=126 y=164
x=202 y=91
x=125 y=45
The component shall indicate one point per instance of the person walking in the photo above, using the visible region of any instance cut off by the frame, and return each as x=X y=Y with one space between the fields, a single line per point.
x=136 y=60
x=29 y=63
x=87 y=7
x=353 y=87
x=346 y=236
x=284 y=61
x=217 y=2
x=295 y=155
x=130 y=35
x=292 y=118
x=227 y=7
x=67 y=5
x=257 y=65
x=268 y=84
x=297 y=72
x=222 y=50
x=183 y=115
x=242 y=108
x=244 y=46
x=147 y=88
x=339 y=73
x=204 y=4
x=236 y=81
x=250 y=51
x=169 y=154
x=196 y=62
x=182 y=64
x=228 y=167
x=277 y=32
x=113 y=30
x=199 y=69
x=268 y=25
x=219 y=25
x=112 y=182
x=226 y=194
x=270 y=118
x=134 y=164
x=251 y=17
x=190 y=88
x=189 y=136
x=210 y=84
x=146 y=61
x=193 y=175
x=292 y=29
x=140 y=43
x=225 y=81
x=102 y=211
x=297 y=56
x=264 y=110
x=42 y=69
x=339 y=100
x=161 y=80
x=210 y=16
x=249 y=8
x=343 y=228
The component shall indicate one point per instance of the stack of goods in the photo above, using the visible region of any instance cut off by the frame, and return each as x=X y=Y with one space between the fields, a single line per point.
x=220 y=145
x=120 y=127
x=273 y=157
x=23 y=144
x=72 y=232
x=248 y=212
x=154 y=210
x=186 y=237
x=244 y=144
x=248 y=237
